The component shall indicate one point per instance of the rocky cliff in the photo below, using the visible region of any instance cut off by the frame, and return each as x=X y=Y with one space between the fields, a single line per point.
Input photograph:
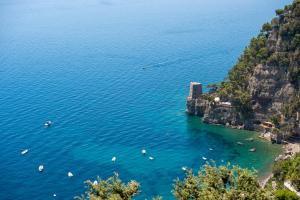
x=264 y=84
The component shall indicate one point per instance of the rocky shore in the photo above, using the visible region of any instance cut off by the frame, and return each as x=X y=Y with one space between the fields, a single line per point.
x=262 y=90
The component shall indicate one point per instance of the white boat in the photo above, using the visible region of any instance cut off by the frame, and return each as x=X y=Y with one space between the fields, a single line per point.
x=144 y=151
x=24 y=151
x=114 y=159
x=70 y=174
x=48 y=123
x=41 y=168
x=184 y=168
x=151 y=158
x=204 y=158
x=211 y=149
x=252 y=150
x=54 y=195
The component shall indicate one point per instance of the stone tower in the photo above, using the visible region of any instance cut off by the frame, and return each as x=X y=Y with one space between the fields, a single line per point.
x=195 y=90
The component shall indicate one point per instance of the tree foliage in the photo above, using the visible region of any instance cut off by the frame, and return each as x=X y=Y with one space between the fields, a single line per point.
x=283 y=52
x=110 y=189
x=211 y=183
x=220 y=182
x=288 y=170
x=285 y=195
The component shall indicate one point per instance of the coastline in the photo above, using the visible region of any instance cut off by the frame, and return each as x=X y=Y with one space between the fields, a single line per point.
x=287 y=150
x=263 y=147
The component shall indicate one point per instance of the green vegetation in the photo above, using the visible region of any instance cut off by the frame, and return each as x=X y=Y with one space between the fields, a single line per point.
x=275 y=119
x=211 y=183
x=232 y=182
x=278 y=46
x=235 y=87
x=223 y=182
x=292 y=106
x=267 y=27
x=279 y=12
x=288 y=170
x=110 y=189
x=285 y=195
x=212 y=88
x=207 y=97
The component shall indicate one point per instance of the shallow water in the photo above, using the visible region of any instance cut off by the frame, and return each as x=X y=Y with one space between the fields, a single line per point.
x=113 y=75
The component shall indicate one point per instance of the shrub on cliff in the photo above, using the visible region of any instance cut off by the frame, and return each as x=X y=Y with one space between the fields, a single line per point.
x=266 y=27
x=235 y=88
x=288 y=170
x=275 y=119
x=292 y=106
x=279 y=11
x=285 y=195
x=294 y=173
x=277 y=45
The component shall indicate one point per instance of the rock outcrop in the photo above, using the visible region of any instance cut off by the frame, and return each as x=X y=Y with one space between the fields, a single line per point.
x=264 y=84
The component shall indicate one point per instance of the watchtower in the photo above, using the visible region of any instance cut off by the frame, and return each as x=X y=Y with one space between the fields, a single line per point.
x=195 y=90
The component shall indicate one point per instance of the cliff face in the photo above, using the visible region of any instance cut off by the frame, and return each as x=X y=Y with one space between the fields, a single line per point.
x=214 y=113
x=264 y=84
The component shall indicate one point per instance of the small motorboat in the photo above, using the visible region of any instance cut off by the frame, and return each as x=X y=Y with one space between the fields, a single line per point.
x=41 y=168
x=144 y=151
x=252 y=150
x=54 y=195
x=211 y=149
x=240 y=143
x=70 y=174
x=48 y=124
x=250 y=139
x=151 y=158
x=204 y=158
x=114 y=159
x=183 y=168
x=24 y=151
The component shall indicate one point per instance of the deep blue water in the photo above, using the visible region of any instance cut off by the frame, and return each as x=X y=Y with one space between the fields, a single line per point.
x=80 y=64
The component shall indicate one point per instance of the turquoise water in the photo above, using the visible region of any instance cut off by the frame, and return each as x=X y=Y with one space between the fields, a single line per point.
x=113 y=75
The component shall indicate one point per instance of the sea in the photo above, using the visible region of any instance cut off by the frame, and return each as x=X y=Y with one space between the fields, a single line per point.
x=113 y=77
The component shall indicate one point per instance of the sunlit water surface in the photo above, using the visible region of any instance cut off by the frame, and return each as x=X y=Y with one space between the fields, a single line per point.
x=113 y=75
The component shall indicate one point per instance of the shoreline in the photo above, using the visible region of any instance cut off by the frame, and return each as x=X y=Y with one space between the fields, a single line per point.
x=289 y=149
